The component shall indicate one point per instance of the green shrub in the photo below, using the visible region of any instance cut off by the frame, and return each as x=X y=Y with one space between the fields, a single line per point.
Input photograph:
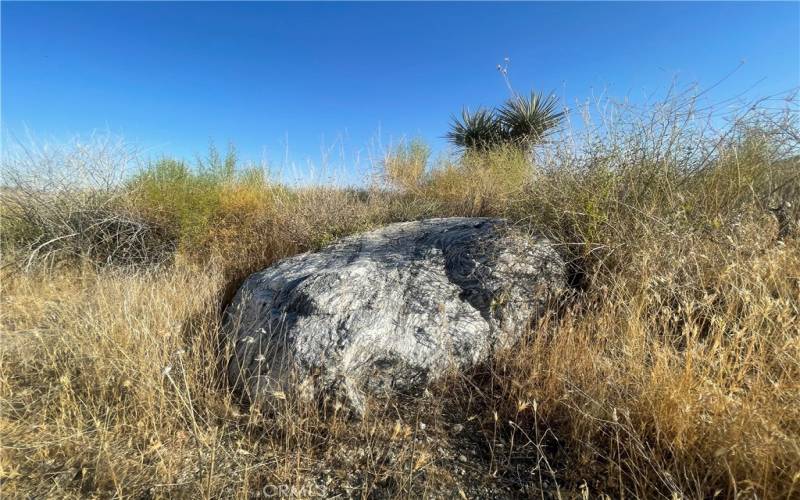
x=201 y=206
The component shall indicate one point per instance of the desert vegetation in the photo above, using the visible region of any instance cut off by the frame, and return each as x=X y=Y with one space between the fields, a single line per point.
x=670 y=370
x=521 y=122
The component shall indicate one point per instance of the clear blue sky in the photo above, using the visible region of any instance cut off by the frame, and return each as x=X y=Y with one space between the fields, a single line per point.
x=170 y=77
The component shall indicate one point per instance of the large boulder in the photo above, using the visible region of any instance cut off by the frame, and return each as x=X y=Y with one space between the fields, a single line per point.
x=388 y=310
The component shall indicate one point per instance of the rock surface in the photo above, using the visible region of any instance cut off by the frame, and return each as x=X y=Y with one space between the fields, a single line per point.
x=388 y=310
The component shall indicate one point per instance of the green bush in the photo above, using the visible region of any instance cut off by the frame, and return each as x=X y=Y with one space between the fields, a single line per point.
x=192 y=203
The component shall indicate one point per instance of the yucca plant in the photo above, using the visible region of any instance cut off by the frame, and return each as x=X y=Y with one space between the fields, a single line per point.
x=478 y=131
x=520 y=122
x=527 y=121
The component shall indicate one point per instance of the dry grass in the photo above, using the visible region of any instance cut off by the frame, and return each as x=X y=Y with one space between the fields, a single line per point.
x=111 y=385
x=672 y=370
x=684 y=380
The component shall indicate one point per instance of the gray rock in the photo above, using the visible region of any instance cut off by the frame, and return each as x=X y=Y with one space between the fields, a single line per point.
x=388 y=310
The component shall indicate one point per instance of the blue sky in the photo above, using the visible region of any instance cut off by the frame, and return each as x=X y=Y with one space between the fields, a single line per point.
x=170 y=77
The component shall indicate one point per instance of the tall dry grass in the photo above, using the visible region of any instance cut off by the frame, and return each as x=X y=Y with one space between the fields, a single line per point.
x=670 y=371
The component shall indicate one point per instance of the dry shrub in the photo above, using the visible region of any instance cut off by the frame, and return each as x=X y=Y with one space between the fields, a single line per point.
x=404 y=166
x=658 y=174
x=63 y=204
x=479 y=183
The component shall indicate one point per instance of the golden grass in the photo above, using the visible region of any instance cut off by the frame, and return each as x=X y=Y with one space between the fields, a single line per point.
x=675 y=383
x=684 y=380
x=110 y=386
x=673 y=370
